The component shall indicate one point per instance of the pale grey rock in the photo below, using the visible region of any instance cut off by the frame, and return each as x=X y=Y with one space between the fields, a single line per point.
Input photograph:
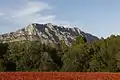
x=46 y=33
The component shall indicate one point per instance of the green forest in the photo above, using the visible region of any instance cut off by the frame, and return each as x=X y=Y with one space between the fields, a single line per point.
x=98 y=56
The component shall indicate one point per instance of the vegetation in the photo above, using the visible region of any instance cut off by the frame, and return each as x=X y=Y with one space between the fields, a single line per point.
x=98 y=56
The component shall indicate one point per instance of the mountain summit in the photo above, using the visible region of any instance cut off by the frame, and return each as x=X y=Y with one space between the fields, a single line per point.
x=46 y=33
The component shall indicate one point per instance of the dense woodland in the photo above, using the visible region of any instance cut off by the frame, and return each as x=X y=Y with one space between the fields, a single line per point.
x=97 y=56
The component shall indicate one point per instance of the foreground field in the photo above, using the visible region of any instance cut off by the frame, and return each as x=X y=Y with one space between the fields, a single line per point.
x=59 y=76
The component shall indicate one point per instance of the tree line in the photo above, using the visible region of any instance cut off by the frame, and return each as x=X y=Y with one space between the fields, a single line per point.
x=98 y=56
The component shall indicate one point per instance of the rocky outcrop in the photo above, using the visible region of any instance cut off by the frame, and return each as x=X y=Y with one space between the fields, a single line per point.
x=46 y=33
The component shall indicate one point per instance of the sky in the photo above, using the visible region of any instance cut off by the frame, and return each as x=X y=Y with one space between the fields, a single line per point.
x=98 y=17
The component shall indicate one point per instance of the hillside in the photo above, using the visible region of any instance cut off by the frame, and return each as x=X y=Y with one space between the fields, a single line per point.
x=98 y=56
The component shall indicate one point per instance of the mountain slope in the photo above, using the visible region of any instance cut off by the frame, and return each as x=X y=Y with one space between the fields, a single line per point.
x=46 y=33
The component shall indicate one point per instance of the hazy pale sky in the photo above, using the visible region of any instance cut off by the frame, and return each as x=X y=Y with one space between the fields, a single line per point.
x=99 y=17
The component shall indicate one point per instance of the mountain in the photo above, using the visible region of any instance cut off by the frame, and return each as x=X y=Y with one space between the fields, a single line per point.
x=46 y=33
x=102 y=55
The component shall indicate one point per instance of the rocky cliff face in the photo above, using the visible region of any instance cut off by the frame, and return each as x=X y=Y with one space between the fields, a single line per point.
x=46 y=33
